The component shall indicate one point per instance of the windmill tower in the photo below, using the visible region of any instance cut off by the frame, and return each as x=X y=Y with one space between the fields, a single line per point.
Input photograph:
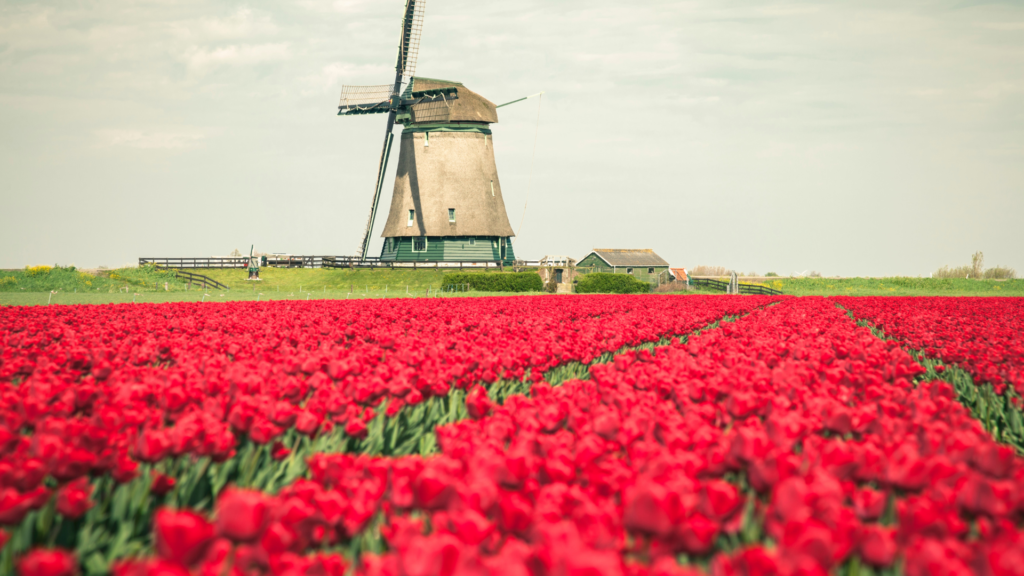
x=446 y=204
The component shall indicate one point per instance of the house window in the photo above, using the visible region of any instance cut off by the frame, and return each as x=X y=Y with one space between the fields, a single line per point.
x=650 y=270
x=629 y=270
x=419 y=244
x=451 y=214
x=412 y=214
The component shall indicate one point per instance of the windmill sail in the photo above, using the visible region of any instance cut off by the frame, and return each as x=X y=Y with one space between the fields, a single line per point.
x=412 y=30
x=365 y=99
x=408 y=51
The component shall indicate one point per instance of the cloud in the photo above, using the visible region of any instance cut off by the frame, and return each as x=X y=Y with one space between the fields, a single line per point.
x=201 y=60
x=244 y=23
x=342 y=6
x=333 y=75
x=149 y=140
x=1003 y=25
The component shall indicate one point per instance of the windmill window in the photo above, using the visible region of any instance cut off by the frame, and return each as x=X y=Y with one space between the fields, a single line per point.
x=492 y=187
x=451 y=214
x=419 y=244
x=426 y=139
x=412 y=214
x=472 y=241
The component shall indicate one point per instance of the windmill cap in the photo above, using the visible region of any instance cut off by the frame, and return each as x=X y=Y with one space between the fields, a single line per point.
x=468 y=107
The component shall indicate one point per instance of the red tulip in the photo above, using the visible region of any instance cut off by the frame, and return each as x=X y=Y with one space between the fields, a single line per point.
x=869 y=504
x=242 y=515
x=73 y=498
x=181 y=537
x=55 y=562
x=477 y=403
x=162 y=484
x=877 y=545
x=13 y=506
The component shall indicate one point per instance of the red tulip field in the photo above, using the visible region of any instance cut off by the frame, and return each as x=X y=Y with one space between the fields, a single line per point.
x=641 y=435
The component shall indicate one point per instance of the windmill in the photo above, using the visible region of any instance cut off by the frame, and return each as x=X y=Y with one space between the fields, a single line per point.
x=447 y=203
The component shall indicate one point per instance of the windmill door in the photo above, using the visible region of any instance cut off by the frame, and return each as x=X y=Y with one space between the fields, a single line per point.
x=502 y=248
x=558 y=275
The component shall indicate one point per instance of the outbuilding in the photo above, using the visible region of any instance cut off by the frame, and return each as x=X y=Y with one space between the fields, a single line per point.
x=641 y=263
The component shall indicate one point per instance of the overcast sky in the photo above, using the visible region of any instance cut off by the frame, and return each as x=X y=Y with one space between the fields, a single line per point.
x=853 y=138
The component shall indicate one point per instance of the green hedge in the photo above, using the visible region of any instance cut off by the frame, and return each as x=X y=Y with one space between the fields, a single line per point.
x=496 y=281
x=602 y=283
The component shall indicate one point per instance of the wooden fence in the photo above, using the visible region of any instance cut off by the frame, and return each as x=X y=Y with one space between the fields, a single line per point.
x=199 y=279
x=354 y=262
x=718 y=285
x=327 y=262
x=178 y=263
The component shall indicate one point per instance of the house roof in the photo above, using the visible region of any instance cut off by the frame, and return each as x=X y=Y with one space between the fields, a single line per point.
x=629 y=257
x=679 y=273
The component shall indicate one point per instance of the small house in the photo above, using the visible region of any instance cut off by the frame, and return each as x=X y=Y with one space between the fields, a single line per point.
x=643 y=263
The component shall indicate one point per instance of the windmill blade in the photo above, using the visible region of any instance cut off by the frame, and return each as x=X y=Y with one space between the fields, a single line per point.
x=412 y=30
x=405 y=67
x=364 y=245
x=364 y=99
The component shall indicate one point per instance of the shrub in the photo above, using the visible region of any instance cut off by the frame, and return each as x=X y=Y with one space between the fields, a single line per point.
x=771 y=274
x=37 y=270
x=602 y=283
x=1000 y=273
x=976 y=270
x=703 y=270
x=958 y=272
x=496 y=281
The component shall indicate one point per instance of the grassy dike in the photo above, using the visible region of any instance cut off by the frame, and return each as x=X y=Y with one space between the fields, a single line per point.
x=43 y=285
x=142 y=285
x=895 y=286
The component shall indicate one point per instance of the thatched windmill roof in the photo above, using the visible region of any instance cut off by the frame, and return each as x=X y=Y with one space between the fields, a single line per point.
x=468 y=107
